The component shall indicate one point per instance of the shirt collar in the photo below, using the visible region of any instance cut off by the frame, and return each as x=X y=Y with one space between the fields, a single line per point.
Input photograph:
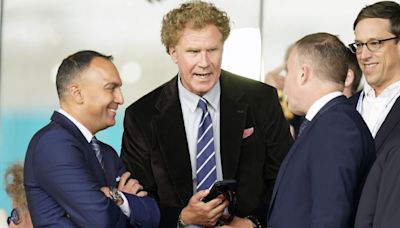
x=190 y=99
x=317 y=105
x=389 y=91
x=88 y=135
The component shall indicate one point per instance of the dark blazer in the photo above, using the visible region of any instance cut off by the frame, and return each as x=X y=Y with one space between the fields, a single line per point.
x=155 y=149
x=320 y=180
x=380 y=200
x=63 y=177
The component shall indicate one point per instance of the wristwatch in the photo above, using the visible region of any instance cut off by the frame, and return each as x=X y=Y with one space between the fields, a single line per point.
x=181 y=224
x=255 y=221
x=115 y=195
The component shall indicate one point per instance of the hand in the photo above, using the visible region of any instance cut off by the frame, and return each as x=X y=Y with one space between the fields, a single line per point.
x=131 y=186
x=239 y=222
x=205 y=214
x=275 y=77
x=107 y=193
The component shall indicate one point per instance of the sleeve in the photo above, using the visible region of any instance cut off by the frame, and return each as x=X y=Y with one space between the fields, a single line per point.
x=62 y=171
x=135 y=153
x=144 y=211
x=366 y=208
x=335 y=160
x=277 y=139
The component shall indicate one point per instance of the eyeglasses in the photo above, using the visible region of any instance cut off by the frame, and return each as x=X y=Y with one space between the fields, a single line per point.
x=14 y=217
x=372 y=45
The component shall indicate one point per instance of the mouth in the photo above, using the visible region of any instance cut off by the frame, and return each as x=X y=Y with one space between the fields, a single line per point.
x=370 y=65
x=203 y=76
x=112 y=110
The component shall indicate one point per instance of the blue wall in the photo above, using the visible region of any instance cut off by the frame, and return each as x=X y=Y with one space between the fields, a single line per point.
x=17 y=128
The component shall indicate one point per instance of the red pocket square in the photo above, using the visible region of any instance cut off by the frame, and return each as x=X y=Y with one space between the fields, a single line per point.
x=247 y=132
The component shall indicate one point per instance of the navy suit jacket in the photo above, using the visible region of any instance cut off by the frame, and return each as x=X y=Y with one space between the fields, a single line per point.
x=320 y=180
x=155 y=149
x=380 y=200
x=63 y=178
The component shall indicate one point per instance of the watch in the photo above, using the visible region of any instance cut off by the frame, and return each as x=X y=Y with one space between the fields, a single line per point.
x=181 y=224
x=255 y=221
x=115 y=194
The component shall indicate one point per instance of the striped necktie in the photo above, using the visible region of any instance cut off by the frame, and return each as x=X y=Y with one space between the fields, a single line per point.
x=96 y=148
x=206 y=173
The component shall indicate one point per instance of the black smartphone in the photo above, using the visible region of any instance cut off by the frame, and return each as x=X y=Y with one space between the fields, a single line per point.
x=224 y=187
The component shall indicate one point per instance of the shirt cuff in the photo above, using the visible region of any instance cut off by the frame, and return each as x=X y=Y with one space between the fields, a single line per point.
x=125 y=206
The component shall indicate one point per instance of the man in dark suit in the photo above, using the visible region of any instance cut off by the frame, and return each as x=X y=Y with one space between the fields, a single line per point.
x=377 y=47
x=70 y=177
x=250 y=134
x=320 y=180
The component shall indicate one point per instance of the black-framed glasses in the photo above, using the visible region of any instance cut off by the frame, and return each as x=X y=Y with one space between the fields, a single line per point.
x=372 y=45
x=14 y=217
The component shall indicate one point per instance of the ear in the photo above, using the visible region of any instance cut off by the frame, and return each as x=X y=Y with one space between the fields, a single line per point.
x=349 y=79
x=304 y=74
x=173 y=54
x=75 y=92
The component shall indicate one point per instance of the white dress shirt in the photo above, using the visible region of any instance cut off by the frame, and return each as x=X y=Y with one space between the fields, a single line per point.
x=374 y=109
x=318 y=104
x=88 y=136
x=192 y=117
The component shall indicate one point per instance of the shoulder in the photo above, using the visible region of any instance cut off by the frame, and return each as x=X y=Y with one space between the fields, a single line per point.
x=240 y=83
x=167 y=90
x=341 y=127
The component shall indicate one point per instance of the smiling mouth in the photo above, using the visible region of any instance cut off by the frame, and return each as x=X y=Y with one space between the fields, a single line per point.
x=370 y=65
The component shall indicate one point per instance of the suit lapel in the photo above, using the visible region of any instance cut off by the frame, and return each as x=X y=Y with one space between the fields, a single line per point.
x=388 y=125
x=88 y=153
x=232 y=123
x=111 y=168
x=170 y=132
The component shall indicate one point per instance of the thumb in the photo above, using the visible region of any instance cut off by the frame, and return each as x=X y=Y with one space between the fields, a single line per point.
x=200 y=195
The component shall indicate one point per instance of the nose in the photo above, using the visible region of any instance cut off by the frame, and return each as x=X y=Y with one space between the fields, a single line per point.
x=365 y=53
x=118 y=97
x=204 y=59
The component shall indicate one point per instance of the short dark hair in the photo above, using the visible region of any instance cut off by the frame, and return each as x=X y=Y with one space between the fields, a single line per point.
x=353 y=65
x=385 y=10
x=327 y=54
x=72 y=66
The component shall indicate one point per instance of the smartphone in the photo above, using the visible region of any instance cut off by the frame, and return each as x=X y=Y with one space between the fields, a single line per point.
x=224 y=187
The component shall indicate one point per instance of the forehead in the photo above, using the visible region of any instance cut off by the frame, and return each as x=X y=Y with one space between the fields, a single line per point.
x=372 y=28
x=104 y=69
x=208 y=34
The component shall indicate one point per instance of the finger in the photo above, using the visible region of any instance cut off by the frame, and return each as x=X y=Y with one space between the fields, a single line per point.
x=106 y=191
x=200 y=195
x=123 y=179
x=219 y=210
x=142 y=193
x=217 y=201
x=133 y=183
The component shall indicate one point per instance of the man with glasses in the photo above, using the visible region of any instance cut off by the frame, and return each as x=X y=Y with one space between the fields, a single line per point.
x=377 y=46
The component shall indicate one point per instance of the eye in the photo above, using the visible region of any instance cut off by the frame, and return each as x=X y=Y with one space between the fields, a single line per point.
x=110 y=87
x=374 y=43
x=358 y=45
